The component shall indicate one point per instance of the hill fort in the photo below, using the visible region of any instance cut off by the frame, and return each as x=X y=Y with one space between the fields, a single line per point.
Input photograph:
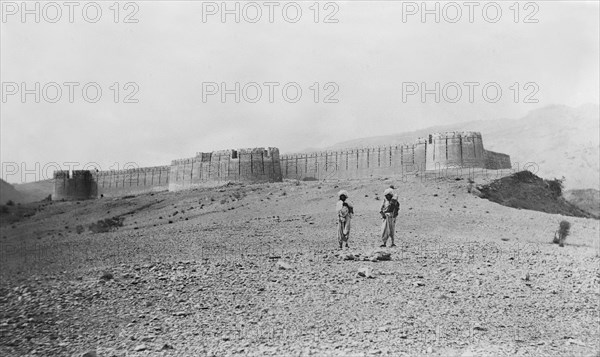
x=436 y=152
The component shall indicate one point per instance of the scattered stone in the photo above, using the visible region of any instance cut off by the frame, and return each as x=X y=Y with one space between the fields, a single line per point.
x=141 y=347
x=91 y=353
x=380 y=255
x=282 y=265
x=347 y=256
x=106 y=276
x=148 y=338
x=366 y=272
x=182 y=313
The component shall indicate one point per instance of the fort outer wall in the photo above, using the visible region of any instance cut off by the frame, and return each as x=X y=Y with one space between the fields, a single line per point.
x=437 y=152
x=116 y=183
x=203 y=170
x=79 y=187
x=496 y=160
x=215 y=168
x=455 y=149
x=353 y=163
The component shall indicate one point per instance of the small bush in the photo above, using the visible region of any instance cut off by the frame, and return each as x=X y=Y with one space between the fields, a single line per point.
x=561 y=234
x=106 y=225
x=4 y=209
x=556 y=186
x=10 y=203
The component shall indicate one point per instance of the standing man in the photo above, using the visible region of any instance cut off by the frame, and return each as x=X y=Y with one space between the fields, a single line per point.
x=345 y=211
x=389 y=212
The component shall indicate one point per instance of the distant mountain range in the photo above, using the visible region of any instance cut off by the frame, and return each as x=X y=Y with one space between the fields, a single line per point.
x=561 y=140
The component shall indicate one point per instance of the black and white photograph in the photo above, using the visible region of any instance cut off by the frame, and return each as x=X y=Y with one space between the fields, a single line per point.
x=299 y=178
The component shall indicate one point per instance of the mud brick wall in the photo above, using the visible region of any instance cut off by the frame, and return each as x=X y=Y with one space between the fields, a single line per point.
x=219 y=167
x=115 y=183
x=350 y=164
x=80 y=186
x=496 y=160
x=438 y=151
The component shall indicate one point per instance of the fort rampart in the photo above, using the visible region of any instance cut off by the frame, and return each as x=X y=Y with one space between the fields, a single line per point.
x=216 y=168
x=202 y=170
x=436 y=152
x=132 y=181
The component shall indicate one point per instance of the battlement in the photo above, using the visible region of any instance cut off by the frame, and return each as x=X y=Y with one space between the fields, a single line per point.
x=80 y=186
x=436 y=151
x=232 y=165
x=131 y=171
x=61 y=174
x=206 y=169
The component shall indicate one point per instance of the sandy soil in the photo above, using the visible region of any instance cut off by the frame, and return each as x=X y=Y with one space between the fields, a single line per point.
x=200 y=273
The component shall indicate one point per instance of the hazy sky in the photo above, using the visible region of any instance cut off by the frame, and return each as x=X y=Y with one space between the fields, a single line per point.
x=369 y=57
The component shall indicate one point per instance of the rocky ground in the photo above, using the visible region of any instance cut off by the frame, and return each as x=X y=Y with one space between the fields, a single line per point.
x=254 y=270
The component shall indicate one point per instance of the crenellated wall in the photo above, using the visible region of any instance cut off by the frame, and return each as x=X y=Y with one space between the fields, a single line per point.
x=353 y=163
x=79 y=187
x=437 y=151
x=132 y=181
x=218 y=167
x=203 y=170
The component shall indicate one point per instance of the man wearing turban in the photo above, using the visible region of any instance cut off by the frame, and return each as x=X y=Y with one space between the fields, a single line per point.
x=345 y=210
x=389 y=212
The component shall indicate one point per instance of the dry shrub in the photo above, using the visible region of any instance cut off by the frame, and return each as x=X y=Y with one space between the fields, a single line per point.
x=556 y=186
x=107 y=224
x=561 y=234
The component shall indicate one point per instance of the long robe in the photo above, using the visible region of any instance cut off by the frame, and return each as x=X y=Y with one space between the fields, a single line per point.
x=344 y=219
x=388 y=225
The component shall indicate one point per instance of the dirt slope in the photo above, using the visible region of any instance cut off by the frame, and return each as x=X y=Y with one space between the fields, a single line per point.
x=196 y=273
x=588 y=200
x=8 y=193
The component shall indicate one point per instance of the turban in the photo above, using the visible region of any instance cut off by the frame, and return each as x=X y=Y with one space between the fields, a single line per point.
x=343 y=192
x=388 y=191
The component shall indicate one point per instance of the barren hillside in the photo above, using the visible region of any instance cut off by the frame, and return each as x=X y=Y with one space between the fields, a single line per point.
x=254 y=270
x=8 y=193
